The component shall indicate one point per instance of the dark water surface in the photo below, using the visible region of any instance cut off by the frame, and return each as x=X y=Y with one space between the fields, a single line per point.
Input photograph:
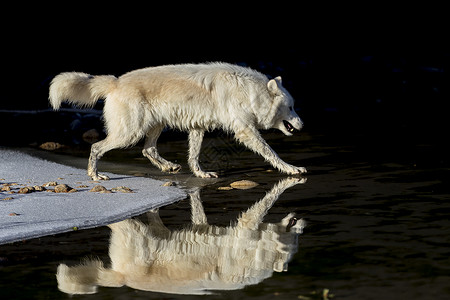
x=377 y=213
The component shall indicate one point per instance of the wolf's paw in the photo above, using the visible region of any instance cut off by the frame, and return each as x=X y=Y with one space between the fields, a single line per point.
x=98 y=177
x=292 y=181
x=293 y=170
x=302 y=170
x=172 y=168
x=203 y=174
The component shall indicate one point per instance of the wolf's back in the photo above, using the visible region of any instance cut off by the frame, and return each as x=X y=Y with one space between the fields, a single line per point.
x=80 y=88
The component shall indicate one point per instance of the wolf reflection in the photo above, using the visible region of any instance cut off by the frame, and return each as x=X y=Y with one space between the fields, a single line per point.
x=193 y=260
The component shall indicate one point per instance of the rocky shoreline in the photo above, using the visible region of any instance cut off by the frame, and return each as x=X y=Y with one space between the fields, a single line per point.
x=37 y=198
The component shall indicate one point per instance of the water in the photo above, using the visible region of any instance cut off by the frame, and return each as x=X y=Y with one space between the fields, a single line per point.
x=377 y=212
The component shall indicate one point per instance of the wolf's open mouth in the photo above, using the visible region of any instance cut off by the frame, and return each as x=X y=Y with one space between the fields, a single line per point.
x=288 y=126
x=292 y=222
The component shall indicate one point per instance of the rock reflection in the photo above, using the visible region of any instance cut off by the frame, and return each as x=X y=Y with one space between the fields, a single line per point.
x=193 y=260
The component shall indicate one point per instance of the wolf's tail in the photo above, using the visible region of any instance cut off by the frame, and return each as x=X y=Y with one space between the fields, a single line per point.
x=80 y=88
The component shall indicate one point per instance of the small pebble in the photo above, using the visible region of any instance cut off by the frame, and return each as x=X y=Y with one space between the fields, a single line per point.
x=50 y=146
x=62 y=188
x=98 y=188
x=122 y=189
x=26 y=190
x=243 y=184
x=224 y=188
x=6 y=189
x=91 y=136
x=39 y=188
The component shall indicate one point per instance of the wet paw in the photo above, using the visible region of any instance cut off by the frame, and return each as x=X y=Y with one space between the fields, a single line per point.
x=302 y=170
x=172 y=168
x=293 y=170
x=98 y=177
x=292 y=181
x=202 y=174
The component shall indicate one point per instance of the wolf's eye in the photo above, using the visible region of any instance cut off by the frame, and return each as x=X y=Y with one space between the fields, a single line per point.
x=290 y=108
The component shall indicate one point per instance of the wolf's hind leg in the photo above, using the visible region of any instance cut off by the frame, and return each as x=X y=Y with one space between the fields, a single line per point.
x=156 y=225
x=151 y=152
x=195 y=143
x=198 y=216
x=98 y=150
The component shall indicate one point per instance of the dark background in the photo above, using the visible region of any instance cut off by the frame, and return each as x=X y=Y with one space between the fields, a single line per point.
x=386 y=85
x=373 y=98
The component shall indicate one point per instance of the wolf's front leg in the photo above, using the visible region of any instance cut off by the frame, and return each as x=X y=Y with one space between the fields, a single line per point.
x=251 y=138
x=255 y=214
x=195 y=143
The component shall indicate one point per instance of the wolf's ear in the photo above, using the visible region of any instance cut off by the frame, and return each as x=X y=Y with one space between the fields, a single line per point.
x=272 y=86
x=278 y=79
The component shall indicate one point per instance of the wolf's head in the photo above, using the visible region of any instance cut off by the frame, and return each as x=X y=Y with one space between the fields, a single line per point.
x=281 y=115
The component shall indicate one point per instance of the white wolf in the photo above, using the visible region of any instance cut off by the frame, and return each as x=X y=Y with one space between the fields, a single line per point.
x=188 y=97
x=193 y=260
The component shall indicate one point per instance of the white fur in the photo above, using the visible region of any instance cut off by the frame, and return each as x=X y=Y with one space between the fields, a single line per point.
x=193 y=260
x=190 y=97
